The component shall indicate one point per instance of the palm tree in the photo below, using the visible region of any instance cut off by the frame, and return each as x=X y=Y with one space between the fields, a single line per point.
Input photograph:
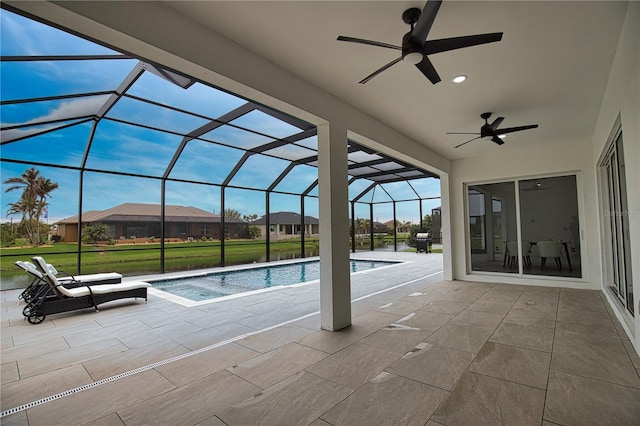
x=407 y=226
x=33 y=201
x=232 y=214
x=363 y=225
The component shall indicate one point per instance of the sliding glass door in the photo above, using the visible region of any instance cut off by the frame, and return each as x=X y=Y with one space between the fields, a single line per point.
x=617 y=225
x=492 y=224
x=549 y=223
x=525 y=226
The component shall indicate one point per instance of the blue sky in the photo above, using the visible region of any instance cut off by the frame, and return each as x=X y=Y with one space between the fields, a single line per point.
x=125 y=148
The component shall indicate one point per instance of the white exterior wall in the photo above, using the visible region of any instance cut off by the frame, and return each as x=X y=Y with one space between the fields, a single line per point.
x=622 y=99
x=540 y=160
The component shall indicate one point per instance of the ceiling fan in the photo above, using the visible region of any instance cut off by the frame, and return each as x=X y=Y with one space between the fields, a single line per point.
x=415 y=46
x=491 y=131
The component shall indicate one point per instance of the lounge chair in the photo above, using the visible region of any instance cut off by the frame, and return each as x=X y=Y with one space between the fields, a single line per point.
x=66 y=280
x=56 y=297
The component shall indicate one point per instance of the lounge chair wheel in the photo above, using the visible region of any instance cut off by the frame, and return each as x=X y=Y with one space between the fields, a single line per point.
x=26 y=311
x=36 y=317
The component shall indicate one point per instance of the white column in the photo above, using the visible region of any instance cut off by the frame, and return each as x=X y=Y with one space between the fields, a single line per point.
x=335 y=284
x=445 y=228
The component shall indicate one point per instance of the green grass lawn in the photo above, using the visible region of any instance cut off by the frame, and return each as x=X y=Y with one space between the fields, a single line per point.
x=136 y=259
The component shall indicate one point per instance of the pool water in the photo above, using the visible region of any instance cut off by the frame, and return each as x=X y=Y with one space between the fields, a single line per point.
x=220 y=284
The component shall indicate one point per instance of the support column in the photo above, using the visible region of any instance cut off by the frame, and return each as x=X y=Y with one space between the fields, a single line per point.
x=371 y=228
x=395 y=229
x=353 y=227
x=335 y=284
x=446 y=231
x=303 y=227
x=268 y=223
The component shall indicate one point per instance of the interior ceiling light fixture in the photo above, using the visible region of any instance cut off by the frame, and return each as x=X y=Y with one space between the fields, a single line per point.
x=459 y=78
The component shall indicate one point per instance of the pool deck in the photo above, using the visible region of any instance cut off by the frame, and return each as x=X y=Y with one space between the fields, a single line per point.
x=420 y=351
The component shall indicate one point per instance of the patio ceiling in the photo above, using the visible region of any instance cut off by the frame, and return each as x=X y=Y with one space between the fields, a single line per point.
x=550 y=68
x=78 y=105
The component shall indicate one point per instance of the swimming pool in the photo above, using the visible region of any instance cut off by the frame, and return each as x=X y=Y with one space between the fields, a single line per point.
x=226 y=283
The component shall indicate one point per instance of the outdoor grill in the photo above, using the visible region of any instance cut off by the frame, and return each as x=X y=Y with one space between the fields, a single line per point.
x=423 y=242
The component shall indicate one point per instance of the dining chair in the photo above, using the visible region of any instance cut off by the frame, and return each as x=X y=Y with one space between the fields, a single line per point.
x=512 y=253
x=550 y=249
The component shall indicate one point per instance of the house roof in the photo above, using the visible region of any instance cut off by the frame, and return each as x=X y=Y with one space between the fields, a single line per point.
x=148 y=212
x=280 y=218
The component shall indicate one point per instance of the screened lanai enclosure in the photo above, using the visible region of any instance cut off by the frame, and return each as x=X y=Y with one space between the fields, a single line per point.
x=178 y=173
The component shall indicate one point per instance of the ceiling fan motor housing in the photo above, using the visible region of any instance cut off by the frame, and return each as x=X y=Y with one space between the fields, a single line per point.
x=486 y=132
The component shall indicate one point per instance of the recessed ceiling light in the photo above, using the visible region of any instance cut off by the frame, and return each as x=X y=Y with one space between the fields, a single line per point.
x=459 y=78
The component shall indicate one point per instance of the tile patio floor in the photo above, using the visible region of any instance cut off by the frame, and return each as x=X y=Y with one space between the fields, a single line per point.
x=423 y=352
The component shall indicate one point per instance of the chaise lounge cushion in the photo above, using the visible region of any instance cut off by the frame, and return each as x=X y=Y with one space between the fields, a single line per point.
x=106 y=277
x=111 y=277
x=102 y=289
x=85 y=289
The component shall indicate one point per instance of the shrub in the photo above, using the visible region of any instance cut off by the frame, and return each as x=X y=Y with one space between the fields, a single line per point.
x=7 y=236
x=91 y=234
x=254 y=232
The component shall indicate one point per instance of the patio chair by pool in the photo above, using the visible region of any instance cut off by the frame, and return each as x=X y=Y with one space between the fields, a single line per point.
x=66 y=280
x=55 y=297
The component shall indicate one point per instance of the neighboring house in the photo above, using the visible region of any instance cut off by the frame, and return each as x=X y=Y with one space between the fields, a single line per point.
x=401 y=228
x=287 y=224
x=135 y=220
x=381 y=228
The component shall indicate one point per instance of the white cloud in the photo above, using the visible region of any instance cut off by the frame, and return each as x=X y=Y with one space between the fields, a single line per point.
x=67 y=110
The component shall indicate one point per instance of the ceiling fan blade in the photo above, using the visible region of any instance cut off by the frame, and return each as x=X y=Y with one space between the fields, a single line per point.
x=497 y=140
x=514 y=129
x=423 y=26
x=446 y=44
x=379 y=70
x=496 y=123
x=369 y=42
x=426 y=67
x=464 y=143
x=464 y=133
